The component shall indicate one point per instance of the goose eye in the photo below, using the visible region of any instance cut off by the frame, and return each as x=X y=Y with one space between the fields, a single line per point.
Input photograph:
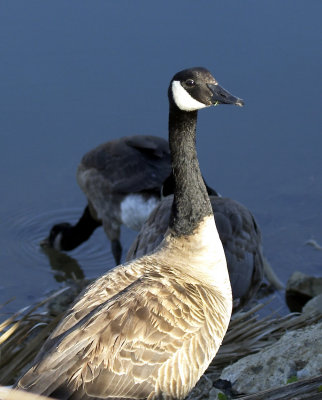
x=190 y=82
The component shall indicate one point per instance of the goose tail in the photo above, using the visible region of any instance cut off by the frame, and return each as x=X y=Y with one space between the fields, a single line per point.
x=271 y=276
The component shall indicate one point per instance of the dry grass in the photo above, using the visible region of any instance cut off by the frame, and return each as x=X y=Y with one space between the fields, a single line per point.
x=248 y=334
x=11 y=394
x=22 y=335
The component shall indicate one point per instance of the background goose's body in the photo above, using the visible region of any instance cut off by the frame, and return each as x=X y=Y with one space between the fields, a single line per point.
x=239 y=235
x=121 y=180
x=149 y=328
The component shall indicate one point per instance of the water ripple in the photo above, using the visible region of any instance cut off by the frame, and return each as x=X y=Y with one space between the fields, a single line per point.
x=27 y=229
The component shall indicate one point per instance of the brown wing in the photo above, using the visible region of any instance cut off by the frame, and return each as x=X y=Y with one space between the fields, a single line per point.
x=154 y=336
x=97 y=293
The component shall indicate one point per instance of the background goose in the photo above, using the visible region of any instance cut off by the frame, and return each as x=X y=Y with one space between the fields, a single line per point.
x=239 y=234
x=121 y=180
x=149 y=328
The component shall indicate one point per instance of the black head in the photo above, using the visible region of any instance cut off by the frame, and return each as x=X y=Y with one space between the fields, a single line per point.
x=195 y=88
x=56 y=235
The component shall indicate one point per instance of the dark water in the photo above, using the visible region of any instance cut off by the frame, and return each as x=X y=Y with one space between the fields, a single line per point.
x=75 y=74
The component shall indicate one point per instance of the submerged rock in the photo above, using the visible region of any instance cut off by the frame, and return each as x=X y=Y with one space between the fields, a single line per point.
x=300 y=289
x=59 y=304
x=296 y=355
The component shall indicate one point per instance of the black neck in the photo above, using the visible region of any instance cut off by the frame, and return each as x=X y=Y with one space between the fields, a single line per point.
x=191 y=202
x=75 y=235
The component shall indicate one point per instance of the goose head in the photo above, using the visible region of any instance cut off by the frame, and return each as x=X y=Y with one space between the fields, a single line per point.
x=196 y=88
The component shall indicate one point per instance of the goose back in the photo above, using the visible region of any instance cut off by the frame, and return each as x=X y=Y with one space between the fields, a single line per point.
x=130 y=164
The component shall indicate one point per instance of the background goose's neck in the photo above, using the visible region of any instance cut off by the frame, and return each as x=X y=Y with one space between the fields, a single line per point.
x=191 y=202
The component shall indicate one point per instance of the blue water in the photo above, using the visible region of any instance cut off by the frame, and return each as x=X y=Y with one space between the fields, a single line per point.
x=75 y=74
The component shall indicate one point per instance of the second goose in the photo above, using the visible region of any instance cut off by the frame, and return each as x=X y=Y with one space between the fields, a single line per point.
x=122 y=181
x=150 y=328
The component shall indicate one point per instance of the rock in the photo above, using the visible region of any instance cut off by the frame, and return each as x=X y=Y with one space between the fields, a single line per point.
x=201 y=390
x=296 y=355
x=314 y=304
x=206 y=389
x=63 y=301
x=300 y=289
x=214 y=394
x=308 y=285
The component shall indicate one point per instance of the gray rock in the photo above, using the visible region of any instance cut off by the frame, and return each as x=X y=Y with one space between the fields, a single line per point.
x=300 y=289
x=306 y=285
x=201 y=390
x=296 y=355
x=313 y=305
x=204 y=390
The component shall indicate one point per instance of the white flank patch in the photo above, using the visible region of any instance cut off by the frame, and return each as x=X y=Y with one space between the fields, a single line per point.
x=183 y=99
x=135 y=210
x=57 y=241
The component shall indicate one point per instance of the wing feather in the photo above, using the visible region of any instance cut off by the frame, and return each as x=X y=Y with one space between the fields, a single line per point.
x=131 y=345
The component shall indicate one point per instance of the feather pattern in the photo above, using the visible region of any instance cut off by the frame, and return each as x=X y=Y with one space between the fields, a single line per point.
x=155 y=335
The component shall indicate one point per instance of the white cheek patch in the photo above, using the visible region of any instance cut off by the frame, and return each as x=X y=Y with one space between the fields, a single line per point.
x=183 y=99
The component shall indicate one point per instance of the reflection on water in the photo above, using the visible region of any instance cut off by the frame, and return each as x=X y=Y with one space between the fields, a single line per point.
x=30 y=230
x=33 y=270
x=63 y=266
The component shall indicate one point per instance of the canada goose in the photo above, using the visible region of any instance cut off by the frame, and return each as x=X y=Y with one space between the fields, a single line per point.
x=149 y=328
x=239 y=234
x=121 y=180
